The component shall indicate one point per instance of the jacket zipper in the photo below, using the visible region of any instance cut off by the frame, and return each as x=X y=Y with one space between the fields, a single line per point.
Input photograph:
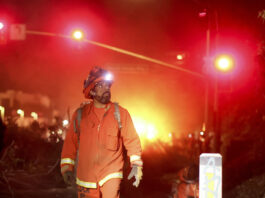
x=98 y=128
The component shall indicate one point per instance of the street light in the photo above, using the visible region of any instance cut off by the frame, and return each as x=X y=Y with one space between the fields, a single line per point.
x=224 y=63
x=78 y=35
x=179 y=57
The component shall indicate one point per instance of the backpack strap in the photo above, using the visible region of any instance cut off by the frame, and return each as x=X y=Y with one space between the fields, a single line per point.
x=117 y=114
x=79 y=117
x=78 y=120
x=77 y=131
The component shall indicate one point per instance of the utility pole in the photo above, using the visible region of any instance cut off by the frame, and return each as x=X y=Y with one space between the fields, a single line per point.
x=209 y=64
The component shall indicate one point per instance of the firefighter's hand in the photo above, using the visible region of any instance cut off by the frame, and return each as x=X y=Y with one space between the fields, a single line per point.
x=69 y=178
x=137 y=173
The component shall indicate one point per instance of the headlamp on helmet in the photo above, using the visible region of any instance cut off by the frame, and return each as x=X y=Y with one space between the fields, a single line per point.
x=108 y=77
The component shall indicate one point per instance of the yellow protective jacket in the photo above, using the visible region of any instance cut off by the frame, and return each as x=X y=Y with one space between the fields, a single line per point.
x=100 y=146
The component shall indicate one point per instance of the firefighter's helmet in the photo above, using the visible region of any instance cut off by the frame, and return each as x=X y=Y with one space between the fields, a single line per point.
x=96 y=75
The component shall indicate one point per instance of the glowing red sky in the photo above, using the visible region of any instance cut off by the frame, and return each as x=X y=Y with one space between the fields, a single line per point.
x=57 y=67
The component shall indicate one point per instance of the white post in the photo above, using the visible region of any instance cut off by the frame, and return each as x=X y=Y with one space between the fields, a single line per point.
x=210 y=182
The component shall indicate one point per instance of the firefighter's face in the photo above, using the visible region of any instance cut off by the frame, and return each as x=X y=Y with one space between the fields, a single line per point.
x=102 y=92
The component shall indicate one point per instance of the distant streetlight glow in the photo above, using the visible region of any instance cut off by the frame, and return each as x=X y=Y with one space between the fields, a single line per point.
x=179 y=57
x=78 y=35
x=21 y=113
x=65 y=123
x=34 y=115
x=1 y=25
x=203 y=13
x=224 y=63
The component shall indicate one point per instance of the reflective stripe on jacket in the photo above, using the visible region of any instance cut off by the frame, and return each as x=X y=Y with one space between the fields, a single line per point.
x=100 y=148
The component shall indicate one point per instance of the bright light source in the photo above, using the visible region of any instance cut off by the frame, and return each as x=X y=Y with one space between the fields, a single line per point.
x=60 y=131
x=140 y=126
x=21 y=113
x=224 y=63
x=203 y=13
x=1 y=25
x=146 y=130
x=2 y=110
x=150 y=125
x=78 y=35
x=201 y=133
x=65 y=123
x=190 y=135
x=150 y=135
x=151 y=132
x=180 y=57
x=108 y=77
x=34 y=115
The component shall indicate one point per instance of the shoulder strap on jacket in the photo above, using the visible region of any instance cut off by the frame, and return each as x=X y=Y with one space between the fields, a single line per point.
x=117 y=114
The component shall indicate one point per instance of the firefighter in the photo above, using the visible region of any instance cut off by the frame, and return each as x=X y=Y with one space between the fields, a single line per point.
x=186 y=186
x=94 y=143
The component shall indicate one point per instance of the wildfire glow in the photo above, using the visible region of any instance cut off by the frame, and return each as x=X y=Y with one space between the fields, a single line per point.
x=150 y=129
x=156 y=124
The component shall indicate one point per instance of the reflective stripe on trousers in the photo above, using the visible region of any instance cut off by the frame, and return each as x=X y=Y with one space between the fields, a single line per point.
x=117 y=175
x=110 y=189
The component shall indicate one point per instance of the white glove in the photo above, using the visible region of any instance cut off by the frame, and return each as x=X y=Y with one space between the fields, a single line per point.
x=137 y=173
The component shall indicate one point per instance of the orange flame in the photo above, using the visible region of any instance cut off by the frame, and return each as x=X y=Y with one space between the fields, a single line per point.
x=151 y=125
